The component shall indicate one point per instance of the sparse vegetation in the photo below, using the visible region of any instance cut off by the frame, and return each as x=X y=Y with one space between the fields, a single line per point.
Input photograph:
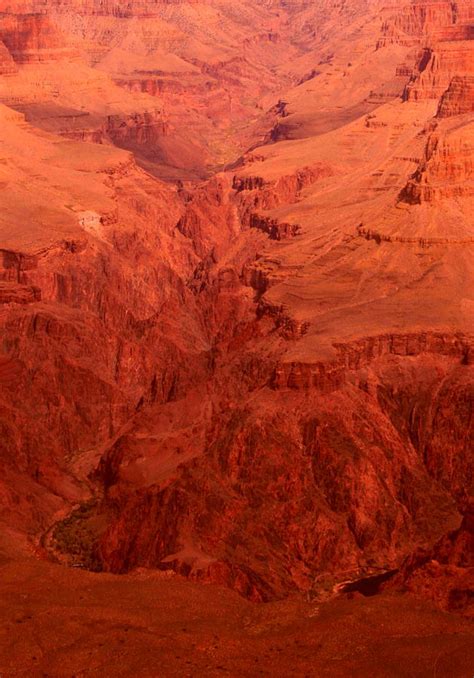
x=78 y=535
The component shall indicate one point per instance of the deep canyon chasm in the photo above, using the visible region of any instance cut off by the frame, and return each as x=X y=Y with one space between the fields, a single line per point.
x=237 y=325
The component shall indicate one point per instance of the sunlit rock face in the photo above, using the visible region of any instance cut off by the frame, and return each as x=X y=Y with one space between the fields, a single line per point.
x=236 y=297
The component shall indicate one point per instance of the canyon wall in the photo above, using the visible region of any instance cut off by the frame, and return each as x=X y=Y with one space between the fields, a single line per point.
x=260 y=373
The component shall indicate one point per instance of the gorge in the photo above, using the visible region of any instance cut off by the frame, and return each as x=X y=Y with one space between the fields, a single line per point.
x=237 y=338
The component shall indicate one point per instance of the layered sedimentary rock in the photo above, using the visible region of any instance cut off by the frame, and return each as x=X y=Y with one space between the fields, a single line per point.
x=417 y=18
x=212 y=86
x=261 y=379
x=7 y=65
x=445 y=572
x=59 y=279
x=343 y=526
x=437 y=66
x=447 y=168
x=33 y=37
x=458 y=99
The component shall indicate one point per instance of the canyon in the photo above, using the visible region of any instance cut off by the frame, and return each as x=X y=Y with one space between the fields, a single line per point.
x=237 y=338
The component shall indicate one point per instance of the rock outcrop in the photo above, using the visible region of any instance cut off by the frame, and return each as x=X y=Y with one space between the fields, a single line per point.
x=214 y=535
x=31 y=38
x=258 y=374
x=437 y=66
x=444 y=573
x=446 y=170
x=458 y=99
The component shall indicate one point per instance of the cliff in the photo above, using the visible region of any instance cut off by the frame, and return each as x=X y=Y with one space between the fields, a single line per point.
x=444 y=573
x=31 y=38
x=259 y=373
x=447 y=168
x=458 y=99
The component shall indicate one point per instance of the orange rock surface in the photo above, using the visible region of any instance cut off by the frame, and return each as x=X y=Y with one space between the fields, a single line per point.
x=237 y=337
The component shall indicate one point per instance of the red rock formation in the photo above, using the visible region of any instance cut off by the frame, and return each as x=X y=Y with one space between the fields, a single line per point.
x=445 y=572
x=458 y=98
x=32 y=37
x=420 y=18
x=447 y=168
x=215 y=534
x=436 y=68
x=7 y=65
x=275 y=229
x=263 y=378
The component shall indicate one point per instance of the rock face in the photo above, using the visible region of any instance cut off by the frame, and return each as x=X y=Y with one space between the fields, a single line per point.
x=445 y=572
x=7 y=65
x=329 y=509
x=437 y=66
x=458 y=98
x=32 y=37
x=447 y=168
x=259 y=373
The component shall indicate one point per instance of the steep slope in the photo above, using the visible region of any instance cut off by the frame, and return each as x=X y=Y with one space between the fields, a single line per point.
x=445 y=572
x=348 y=317
x=264 y=378
x=88 y=284
x=195 y=78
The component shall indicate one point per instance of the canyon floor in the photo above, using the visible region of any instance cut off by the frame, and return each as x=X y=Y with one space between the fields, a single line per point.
x=58 y=623
x=236 y=338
